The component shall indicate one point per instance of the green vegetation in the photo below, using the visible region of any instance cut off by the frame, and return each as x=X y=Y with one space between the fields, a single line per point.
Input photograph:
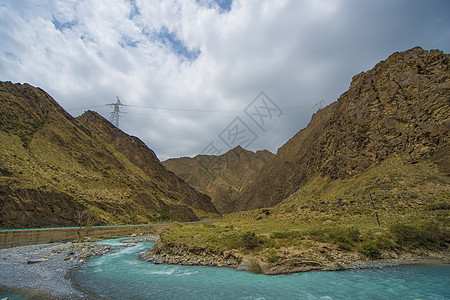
x=272 y=256
x=371 y=249
x=254 y=267
x=88 y=160
x=250 y=240
x=163 y=214
x=338 y=216
x=373 y=246
x=425 y=235
x=345 y=238
x=11 y=122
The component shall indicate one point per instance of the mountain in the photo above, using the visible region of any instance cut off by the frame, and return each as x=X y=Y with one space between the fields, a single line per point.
x=221 y=177
x=54 y=166
x=367 y=179
x=399 y=108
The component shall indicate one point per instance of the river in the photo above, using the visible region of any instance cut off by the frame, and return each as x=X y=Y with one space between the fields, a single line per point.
x=121 y=275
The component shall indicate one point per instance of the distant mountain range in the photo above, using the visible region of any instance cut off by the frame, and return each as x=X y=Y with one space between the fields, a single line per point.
x=221 y=177
x=54 y=166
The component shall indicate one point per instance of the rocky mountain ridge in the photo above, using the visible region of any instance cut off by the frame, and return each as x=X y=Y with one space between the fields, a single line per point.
x=400 y=107
x=54 y=166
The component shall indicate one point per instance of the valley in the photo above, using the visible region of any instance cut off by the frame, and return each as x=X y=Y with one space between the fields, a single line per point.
x=366 y=180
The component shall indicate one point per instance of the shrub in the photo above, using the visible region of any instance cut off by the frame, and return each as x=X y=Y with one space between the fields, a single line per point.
x=385 y=243
x=250 y=240
x=438 y=206
x=343 y=237
x=370 y=249
x=428 y=235
x=354 y=234
x=232 y=241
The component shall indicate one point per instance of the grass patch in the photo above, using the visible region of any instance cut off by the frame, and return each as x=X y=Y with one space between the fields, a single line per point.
x=272 y=256
x=345 y=238
x=428 y=235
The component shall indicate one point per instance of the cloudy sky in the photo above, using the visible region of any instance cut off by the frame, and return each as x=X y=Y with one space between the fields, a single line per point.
x=202 y=76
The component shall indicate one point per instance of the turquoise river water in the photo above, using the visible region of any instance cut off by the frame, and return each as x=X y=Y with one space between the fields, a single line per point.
x=121 y=275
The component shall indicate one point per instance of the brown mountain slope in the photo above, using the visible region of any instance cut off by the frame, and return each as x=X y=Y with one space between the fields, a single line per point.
x=221 y=177
x=141 y=156
x=54 y=166
x=400 y=107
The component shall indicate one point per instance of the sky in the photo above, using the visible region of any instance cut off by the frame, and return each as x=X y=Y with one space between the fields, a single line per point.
x=203 y=76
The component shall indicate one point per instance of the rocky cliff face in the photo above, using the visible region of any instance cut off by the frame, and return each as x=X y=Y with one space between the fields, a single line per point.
x=53 y=166
x=399 y=108
x=221 y=177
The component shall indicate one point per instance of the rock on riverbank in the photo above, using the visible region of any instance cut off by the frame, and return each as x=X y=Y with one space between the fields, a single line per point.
x=180 y=254
x=44 y=268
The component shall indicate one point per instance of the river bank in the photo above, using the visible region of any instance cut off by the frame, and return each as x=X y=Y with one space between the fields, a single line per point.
x=43 y=269
x=322 y=258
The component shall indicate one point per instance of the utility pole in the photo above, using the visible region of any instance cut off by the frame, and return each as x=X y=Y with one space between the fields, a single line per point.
x=373 y=205
x=114 y=117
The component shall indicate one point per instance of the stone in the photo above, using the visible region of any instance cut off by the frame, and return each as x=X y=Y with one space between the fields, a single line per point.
x=242 y=267
x=35 y=261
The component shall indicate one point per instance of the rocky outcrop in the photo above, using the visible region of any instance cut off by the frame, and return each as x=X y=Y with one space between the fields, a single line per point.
x=37 y=208
x=400 y=107
x=297 y=266
x=221 y=177
x=180 y=254
x=54 y=166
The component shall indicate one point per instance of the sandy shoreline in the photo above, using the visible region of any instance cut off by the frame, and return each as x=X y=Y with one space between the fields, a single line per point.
x=44 y=269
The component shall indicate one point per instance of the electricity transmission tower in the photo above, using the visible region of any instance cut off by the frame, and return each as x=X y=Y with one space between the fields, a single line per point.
x=114 y=117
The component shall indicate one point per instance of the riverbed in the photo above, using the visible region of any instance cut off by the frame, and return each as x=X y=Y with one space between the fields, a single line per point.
x=121 y=275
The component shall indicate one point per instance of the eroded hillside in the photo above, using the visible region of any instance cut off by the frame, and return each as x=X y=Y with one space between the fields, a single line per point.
x=400 y=107
x=54 y=166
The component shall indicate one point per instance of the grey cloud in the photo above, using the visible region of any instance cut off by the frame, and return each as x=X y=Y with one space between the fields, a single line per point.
x=298 y=52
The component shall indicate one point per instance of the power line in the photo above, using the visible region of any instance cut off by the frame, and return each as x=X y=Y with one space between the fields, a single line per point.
x=178 y=116
x=87 y=107
x=161 y=108
x=185 y=109
x=225 y=114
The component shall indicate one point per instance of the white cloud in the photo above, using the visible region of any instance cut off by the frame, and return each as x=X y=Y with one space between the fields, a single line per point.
x=201 y=55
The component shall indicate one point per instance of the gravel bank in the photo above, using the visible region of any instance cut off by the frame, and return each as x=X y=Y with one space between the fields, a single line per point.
x=44 y=268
